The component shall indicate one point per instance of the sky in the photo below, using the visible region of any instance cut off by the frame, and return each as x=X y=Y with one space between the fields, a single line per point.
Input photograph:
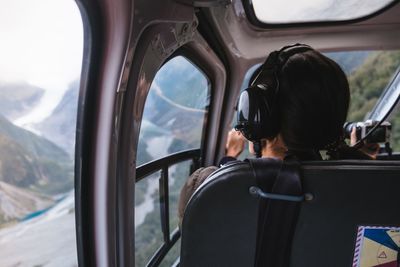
x=41 y=44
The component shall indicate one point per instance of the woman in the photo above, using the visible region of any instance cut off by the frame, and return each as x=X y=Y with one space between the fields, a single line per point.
x=295 y=107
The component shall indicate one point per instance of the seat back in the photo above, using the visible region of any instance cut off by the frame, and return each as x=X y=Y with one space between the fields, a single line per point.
x=220 y=222
x=347 y=194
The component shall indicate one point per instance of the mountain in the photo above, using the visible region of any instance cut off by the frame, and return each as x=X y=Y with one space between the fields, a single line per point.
x=16 y=203
x=60 y=126
x=349 y=61
x=31 y=161
x=17 y=99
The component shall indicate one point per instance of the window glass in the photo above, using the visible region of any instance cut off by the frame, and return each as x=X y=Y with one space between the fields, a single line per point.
x=41 y=55
x=297 y=11
x=173 y=121
x=178 y=175
x=369 y=73
x=172 y=258
x=388 y=99
x=148 y=233
x=174 y=112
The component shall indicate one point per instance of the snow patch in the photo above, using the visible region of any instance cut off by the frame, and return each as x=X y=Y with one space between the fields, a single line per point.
x=46 y=240
x=42 y=110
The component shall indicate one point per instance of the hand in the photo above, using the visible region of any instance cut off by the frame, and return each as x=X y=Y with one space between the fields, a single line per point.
x=234 y=144
x=371 y=149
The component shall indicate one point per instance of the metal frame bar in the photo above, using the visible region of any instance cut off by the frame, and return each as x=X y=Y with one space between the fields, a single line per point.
x=163 y=164
x=153 y=166
x=164 y=202
x=163 y=250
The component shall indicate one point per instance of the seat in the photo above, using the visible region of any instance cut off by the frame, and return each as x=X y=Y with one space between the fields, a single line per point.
x=220 y=220
x=219 y=227
x=220 y=223
x=347 y=194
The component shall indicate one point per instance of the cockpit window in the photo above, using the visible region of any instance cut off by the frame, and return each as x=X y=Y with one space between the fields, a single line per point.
x=173 y=121
x=174 y=111
x=295 y=11
x=369 y=74
x=388 y=100
x=40 y=64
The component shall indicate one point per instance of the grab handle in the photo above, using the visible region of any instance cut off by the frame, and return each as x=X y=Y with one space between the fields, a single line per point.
x=255 y=191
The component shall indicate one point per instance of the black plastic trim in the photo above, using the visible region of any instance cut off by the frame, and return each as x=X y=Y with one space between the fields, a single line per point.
x=153 y=166
x=352 y=164
x=84 y=195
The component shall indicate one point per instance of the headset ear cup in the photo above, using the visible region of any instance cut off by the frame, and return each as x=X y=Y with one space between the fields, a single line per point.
x=255 y=114
x=258 y=110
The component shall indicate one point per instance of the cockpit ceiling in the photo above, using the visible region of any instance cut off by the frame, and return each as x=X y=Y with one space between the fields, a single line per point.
x=246 y=41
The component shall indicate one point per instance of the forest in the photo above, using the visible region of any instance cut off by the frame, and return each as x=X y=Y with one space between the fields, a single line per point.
x=368 y=82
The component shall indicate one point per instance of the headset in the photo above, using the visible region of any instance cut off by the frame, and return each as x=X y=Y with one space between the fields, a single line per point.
x=258 y=106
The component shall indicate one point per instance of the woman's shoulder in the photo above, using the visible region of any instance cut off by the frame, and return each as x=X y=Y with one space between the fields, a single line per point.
x=191 y=184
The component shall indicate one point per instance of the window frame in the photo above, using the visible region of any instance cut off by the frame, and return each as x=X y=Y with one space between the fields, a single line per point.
x=162 y=164
x=185 y=53
x=208 y=64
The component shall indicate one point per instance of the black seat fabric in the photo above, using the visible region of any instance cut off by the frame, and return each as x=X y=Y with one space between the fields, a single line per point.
x=220 y=223
x=347 y=194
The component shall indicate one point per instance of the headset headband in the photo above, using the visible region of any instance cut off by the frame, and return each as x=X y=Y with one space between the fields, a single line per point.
x=258 y=113
x=277 y=59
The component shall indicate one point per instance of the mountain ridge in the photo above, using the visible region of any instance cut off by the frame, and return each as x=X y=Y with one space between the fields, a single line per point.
x=18 y=98
x=31 y=161
x=60 y=126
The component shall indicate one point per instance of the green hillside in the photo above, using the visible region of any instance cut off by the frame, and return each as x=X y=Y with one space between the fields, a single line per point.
x=30 y=161
x=367 y=84
x=349 y=61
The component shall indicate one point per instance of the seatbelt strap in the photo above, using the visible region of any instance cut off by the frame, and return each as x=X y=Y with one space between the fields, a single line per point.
x=277 y=218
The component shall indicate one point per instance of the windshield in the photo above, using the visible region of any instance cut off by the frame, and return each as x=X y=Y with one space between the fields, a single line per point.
x=388 y=100
x=374 y=86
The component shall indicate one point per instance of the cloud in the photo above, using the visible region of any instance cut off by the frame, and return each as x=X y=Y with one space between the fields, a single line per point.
x=41 y=42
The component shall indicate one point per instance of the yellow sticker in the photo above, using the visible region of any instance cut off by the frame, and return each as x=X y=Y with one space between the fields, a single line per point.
x=377 y=246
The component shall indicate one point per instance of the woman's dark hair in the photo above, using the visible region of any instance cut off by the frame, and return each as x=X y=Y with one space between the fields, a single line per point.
x=313 y=101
